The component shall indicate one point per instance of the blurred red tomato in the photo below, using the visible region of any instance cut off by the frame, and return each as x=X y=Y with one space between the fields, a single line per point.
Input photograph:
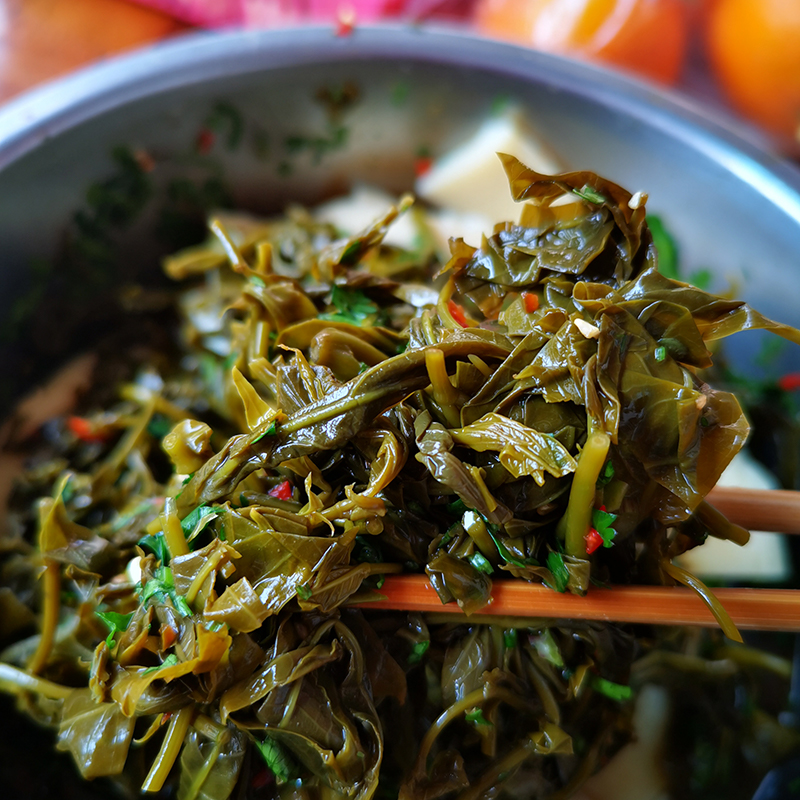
x=754 y=50
x=647 y=37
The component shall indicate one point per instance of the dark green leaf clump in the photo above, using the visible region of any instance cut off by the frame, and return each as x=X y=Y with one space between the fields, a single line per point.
x=328 y=422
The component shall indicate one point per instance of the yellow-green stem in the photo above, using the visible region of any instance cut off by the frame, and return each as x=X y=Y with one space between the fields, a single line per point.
x=444 y=393
x=170 y=748
x=173 y=532
x=51 y=605
x=17 y=681
x=581 y=496
x=714 y=605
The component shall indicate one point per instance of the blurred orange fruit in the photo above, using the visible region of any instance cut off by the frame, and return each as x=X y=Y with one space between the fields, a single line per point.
x=754 y=50
x=647 y=37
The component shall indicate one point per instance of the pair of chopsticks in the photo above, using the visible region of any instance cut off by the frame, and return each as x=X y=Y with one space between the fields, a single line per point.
x=750 y=609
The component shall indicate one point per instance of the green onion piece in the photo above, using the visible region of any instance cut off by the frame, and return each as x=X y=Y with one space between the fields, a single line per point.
x=481 y=563
x=616 y=691
x=418 y=651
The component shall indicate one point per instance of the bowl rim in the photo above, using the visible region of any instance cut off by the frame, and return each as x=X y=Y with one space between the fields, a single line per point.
x=55 y=107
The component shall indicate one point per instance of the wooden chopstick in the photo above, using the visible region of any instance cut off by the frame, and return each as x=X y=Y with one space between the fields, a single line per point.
x=750 y=609
x=775 y=510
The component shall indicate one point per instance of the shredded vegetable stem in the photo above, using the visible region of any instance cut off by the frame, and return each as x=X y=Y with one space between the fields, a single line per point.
x=578 y=516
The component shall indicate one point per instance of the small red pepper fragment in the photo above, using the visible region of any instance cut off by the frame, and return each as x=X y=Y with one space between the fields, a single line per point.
x=593 y=540
x=422 y=165
x=283 y=491
x=83 y=429
x=790 y=382
x=531 y=301
x=457 y=313
x=205 y=140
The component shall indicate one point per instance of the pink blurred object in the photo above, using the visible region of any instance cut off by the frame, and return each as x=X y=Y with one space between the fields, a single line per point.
x=272 y=13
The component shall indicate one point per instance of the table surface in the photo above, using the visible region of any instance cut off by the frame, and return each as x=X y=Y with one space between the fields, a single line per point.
x=42 y=39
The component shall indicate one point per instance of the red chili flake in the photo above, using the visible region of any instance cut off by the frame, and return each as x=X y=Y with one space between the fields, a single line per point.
x=593 y=540
x=790 y=382
x=457 y=313
x=345 y=21
x=531 y=301
x=283 y=491
x=205 y=140
x=165 y=718
x=422 y=165
x=84 y=430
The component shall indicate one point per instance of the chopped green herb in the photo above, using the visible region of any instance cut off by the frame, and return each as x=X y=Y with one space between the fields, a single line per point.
x=661 y=353
x=381 y=580
x=226 y=119
x=418 y=651
x=195 y=521
x=481 y=563
x=156 y=543
x=606 y=474
x=510 y=638
x=666 y=247
x=272 y=430
x=117 y=623
x=476 y=717
x=362 y=367
x=159 y=426
x=615 y=691
x=587 y=192
x=457 y=507
x=162 y=587
x=256 y=281
x=505 y=553
x=277 y=759
x=170 y=661
x=304 y=592
x=602 y=522
x=351 y=305
x=318 y=146
x=556 y=565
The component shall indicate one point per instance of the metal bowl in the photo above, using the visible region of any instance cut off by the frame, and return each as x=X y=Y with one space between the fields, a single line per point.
x=734 y=208
x=299 y=115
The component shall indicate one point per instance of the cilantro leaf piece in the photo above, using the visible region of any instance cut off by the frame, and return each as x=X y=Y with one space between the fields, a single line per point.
x=457 y=507
x=602 y=522
x=352 y=305
x=304 y=592
x=117 y=623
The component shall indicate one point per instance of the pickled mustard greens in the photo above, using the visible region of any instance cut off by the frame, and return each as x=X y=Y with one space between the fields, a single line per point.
x=192 y=551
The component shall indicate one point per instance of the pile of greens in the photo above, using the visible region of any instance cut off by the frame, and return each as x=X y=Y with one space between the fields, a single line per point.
x=325 y=419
